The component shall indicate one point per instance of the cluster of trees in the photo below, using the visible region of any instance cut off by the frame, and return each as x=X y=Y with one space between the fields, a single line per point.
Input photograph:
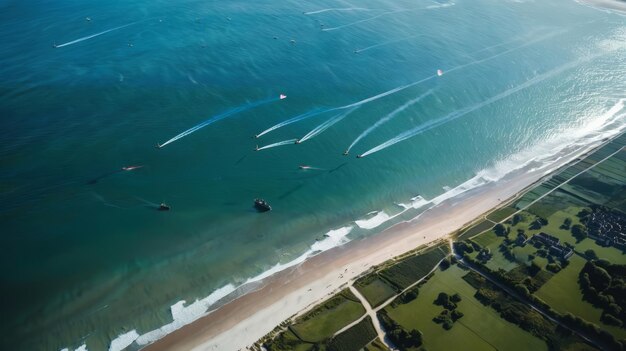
x=603 y=284
x=579 y=232
x=567 y=224
x=399 y=336
x=538 y=223
x=605 y=338
x=446 y=301
x=501 y=230
x=450 y=314
x=516 y=219
x=466 y=246
x=409 y=295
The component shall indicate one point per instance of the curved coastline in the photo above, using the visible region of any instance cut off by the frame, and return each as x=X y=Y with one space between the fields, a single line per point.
x=242 y=321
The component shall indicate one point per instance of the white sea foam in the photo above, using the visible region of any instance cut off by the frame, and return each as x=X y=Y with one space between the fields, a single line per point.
x=373 y=222
x=416 y=202
x=183 y=315
x=333 y=238
x=123 y=341
x=566 y=144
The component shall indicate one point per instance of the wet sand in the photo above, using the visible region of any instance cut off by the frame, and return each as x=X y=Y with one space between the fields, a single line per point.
x=243 y=321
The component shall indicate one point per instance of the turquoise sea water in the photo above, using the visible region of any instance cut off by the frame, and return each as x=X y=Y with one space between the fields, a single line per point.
x=86 y=257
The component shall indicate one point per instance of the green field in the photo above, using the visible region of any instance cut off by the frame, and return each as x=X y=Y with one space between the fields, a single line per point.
x=325 y=320
x=481 y=328
x=501 y=214
x=475 y=229
x=355 y=338
x=409 y=270
x=563 y=294
x=375 y=289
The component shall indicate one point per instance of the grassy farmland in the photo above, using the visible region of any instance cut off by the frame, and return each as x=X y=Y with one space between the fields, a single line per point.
x=481 y=328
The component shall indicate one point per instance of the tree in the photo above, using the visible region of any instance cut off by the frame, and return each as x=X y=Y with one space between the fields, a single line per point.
x=553 y=267
x=445 y=264
x=442 y=299
x=409 y=296
x=534 y=268
x=500 y=229
x=591 y=255
x=579 y=232
x=584 y=213
x=567 y=223
x=415 y=337
x=516 y=219
x=455 y=298
x=456 y=315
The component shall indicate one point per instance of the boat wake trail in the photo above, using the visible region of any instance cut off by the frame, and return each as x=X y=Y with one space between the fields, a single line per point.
x=329 y=123
x=94 y=35
x=387 y=43
x=460 y=113
x=316 y=112
x=338 y=9
x=295 y=119
x=534 y=41
x=280 y=143
x=388 y=117
x=219 y=117
x=431 y=7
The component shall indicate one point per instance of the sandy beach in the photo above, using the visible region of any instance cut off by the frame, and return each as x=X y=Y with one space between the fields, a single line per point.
x=240 y=323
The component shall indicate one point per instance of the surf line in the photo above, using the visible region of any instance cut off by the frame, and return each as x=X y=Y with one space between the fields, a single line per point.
x=460 y=113
x=387 y=118
x=222 y=116
x=95 y=35
x=316 y=112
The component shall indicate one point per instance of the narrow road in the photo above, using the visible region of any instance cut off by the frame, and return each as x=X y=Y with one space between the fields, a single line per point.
x=369 y=311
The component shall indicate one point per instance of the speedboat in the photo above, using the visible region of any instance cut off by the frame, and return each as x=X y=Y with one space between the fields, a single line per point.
x=262 y=205
x=164 y=207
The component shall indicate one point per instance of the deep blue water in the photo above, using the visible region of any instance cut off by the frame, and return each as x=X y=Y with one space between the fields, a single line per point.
x=86 y=256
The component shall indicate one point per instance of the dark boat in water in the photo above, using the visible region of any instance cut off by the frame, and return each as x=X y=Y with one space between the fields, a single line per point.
x=164 y=207
x=262 y=205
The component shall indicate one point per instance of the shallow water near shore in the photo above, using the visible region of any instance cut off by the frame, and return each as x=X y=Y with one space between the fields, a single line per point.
x=87 y=257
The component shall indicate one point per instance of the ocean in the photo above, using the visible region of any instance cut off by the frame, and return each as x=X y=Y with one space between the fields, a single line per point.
x=89 y=87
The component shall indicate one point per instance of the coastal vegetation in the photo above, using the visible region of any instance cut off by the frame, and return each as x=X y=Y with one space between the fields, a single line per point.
x=322 y=322
x=392 y=278
x=355 y=338
x=540 y=273
x=319 y=325
x=475 y=327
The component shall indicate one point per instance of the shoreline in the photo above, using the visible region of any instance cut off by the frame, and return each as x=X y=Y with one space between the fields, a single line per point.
x=291 y=292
